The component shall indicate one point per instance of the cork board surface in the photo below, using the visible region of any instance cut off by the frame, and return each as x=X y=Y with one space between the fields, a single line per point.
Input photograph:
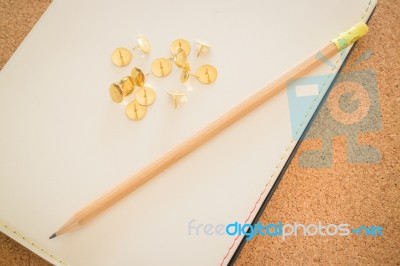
x=340 y=173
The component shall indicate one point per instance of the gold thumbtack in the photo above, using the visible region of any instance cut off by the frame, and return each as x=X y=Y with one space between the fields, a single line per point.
x=116 y=93
x=202 y=48
x=206 y=74
x=137 y=77
x=126 y=86
x=185 y=74
x=145 y=96
x=121 y=89
x=143 y=44
x=121 y=57
x=177 y=97
x=135 y=111
x=161 y=67
x=179 y=57
x=180 y=43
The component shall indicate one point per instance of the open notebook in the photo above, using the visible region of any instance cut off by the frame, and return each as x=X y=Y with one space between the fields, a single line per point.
x=63 y=142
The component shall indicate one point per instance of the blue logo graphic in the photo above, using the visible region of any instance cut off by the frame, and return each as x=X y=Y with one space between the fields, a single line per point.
x=351 y=109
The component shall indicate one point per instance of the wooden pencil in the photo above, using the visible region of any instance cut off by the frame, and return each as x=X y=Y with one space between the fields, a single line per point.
x=248 y=105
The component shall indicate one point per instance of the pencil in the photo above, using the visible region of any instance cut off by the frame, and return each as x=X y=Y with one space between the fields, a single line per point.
x=96 y=207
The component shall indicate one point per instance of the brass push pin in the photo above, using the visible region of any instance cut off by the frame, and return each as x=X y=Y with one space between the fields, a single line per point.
x=116 y=93
x=206 y=74
x=180 y=50
x=145 y=96
x=137 y=77
x=180 y=57
x=177 y=97
x=121 y=57
x=180 y=43
x=143 y=44
x=127 y=86
x=202 y=48
x=135 y=111
x=185 y=74
x=121 y=89
x=161 y=67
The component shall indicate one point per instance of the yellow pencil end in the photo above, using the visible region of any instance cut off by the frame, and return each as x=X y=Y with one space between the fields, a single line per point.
x=351 y=36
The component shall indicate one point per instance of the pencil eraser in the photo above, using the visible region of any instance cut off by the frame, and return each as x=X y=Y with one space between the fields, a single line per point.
x=351 y=36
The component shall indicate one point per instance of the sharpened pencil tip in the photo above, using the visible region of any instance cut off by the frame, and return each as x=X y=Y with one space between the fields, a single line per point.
x=53 y=236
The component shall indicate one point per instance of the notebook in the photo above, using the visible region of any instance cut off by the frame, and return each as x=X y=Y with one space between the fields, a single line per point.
x=63 y=142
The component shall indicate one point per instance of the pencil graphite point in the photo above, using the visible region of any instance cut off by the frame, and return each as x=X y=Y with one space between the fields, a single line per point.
x=53 y=236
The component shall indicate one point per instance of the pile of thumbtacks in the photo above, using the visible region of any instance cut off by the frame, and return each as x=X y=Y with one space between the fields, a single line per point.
x=161 y=67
